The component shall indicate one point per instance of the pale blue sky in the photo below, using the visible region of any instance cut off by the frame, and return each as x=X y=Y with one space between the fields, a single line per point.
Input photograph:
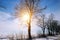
x=7 y=24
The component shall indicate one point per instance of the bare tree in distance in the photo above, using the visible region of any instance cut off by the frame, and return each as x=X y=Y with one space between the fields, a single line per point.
x=43 y=19
x=49 y=23
x=41 y=23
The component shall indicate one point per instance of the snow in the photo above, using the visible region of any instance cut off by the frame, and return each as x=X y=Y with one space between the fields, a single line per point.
x=48 y=38
x=5 y=39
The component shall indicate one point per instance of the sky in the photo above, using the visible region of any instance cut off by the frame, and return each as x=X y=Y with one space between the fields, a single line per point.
x=9 y=24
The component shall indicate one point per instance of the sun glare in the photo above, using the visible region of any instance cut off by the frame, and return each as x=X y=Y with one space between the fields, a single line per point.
x=26 y=17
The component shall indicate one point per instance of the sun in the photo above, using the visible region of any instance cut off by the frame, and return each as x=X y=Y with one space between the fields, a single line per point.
x=26 y=17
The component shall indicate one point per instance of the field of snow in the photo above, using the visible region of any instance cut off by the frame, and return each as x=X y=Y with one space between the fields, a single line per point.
x=47 y=38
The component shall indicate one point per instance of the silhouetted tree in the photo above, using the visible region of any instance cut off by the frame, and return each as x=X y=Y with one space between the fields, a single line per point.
x=54 y=26
x=58 y=29
x=32 y=6
x=57 y=26
x=43 y=19
x=41 y=23
x=51 y=24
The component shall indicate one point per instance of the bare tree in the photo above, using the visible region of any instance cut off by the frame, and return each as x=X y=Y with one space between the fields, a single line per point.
x=32 y=7
x=43 y=19
x=49 y=23
x=41 y=23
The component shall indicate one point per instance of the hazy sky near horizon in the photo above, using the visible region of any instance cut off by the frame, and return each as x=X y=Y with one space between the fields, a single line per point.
x=9 y=24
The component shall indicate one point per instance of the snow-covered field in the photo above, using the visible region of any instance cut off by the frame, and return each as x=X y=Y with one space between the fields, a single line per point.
x=47 y=38
x=4 y=39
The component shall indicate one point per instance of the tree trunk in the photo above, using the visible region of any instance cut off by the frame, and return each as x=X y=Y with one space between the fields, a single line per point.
x=29 y=31
x=44 y=32
x=29 y=28
x=49 y=33
x=43 y=27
